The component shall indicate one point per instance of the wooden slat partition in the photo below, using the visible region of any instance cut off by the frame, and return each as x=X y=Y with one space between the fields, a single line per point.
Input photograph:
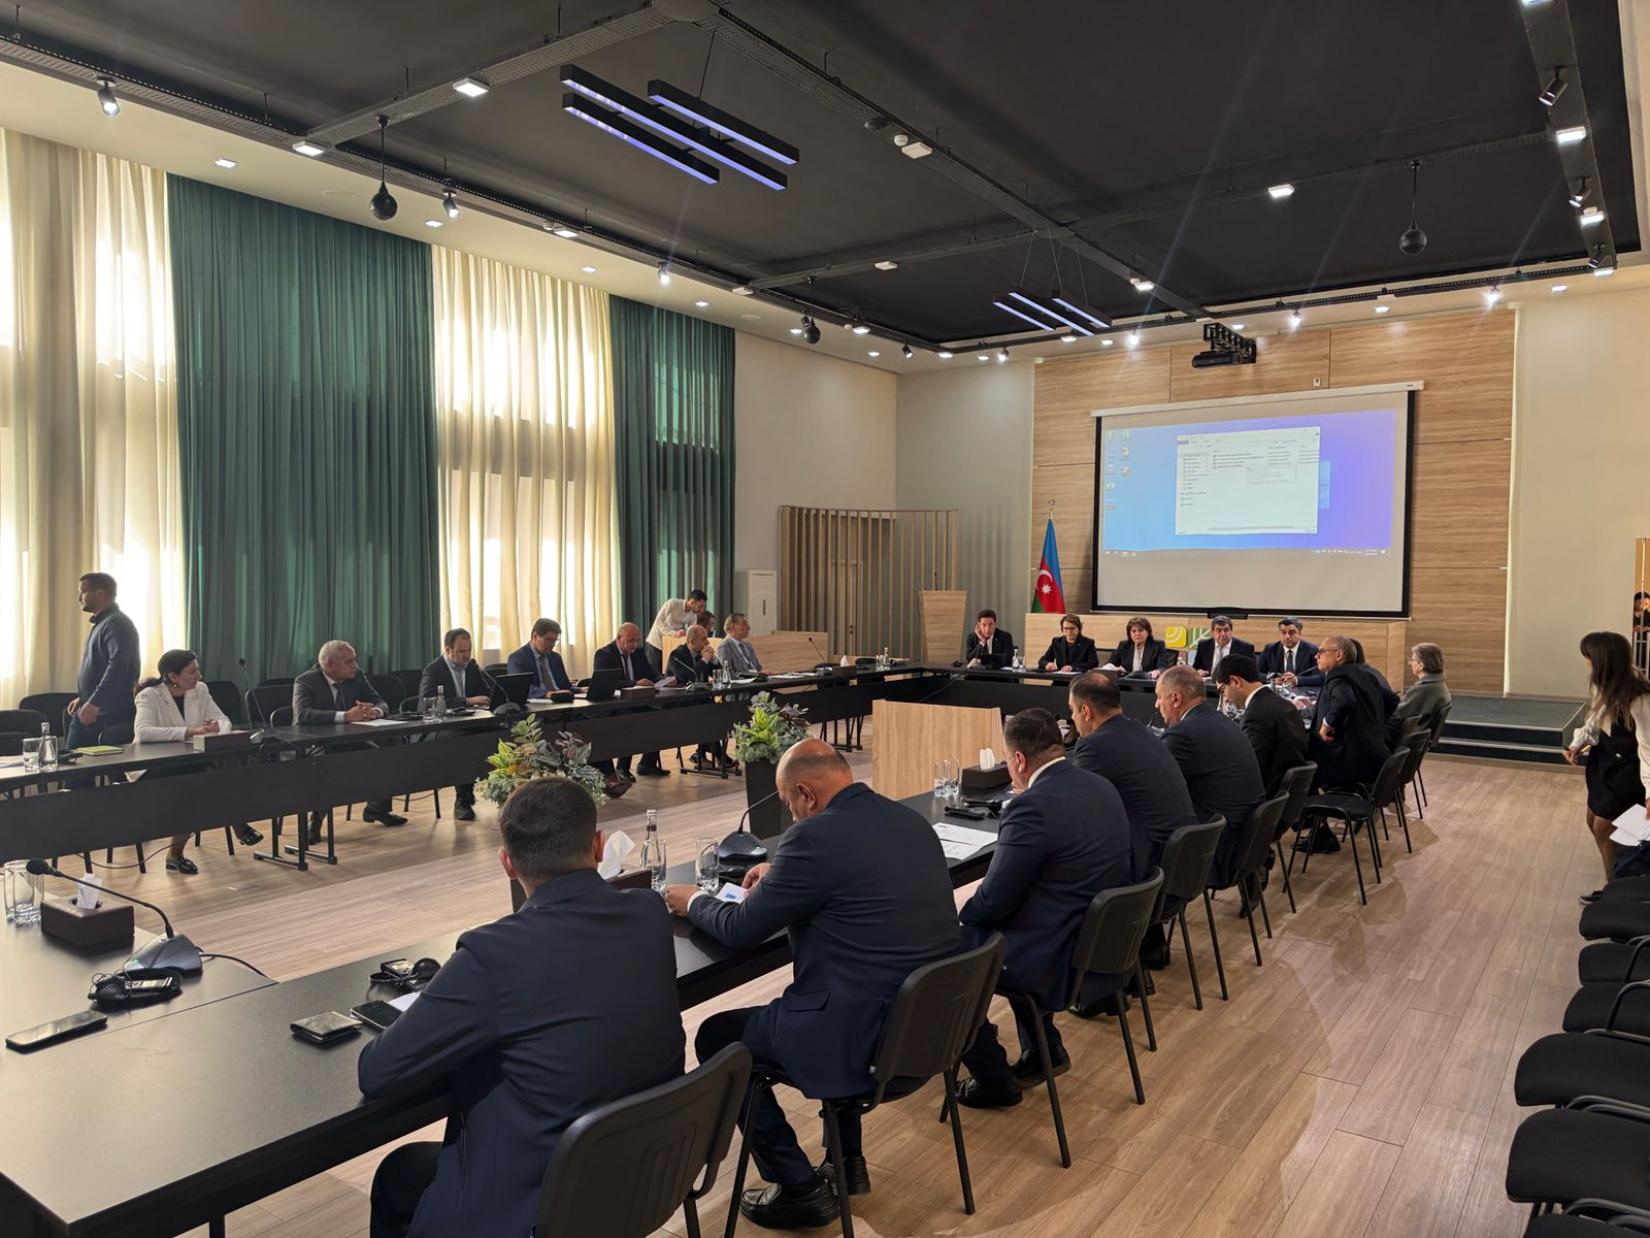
x=856 y=574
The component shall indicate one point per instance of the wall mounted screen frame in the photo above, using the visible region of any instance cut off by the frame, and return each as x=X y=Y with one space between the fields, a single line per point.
x=1279 y=554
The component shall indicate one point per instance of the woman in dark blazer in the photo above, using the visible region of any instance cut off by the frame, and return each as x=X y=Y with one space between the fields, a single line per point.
x=1071 y=650
x=1140 y=650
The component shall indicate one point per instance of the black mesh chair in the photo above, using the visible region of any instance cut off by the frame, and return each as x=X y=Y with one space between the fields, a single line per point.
x=227 y=697
x=1253 y=850
x=1619 y=961
x=932 y=1022
x=277 y=681
x=1358 y=812
x=54 y=705
x=409 y=681
x=1590 y=1218
x=11 y=742
x=1108 y=943
x=1296 y=786
x=1185 y=863
x=265 y=700
x=1416 y=747
x=622 y=1170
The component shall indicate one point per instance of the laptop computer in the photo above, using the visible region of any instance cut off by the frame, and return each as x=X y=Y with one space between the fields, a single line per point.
x=605 y=684
x=515 y=687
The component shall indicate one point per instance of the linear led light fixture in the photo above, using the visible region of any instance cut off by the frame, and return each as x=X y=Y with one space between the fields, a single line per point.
x=714 y=118
x=1064 y=302
x=1025 y=317
x=643 y=112
x=641 y=139
x=1051 y=313
x=1571 y=135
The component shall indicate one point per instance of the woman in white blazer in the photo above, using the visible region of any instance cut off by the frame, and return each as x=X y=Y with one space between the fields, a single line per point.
x=174 y=707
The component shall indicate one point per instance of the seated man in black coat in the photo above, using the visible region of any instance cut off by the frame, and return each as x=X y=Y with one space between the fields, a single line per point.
x=694 y=661
x=465 y=683
x=1220 y=767
x=1273 y=725
x=862 y=886
x=989 y=645
x=1348 y=730
x=1214 y=649
x=626 y=655
x=538 y=658
x=1291 y=655
x=332 y=692
x=1071 y=650
x=1063 y=839
x=539 y=1017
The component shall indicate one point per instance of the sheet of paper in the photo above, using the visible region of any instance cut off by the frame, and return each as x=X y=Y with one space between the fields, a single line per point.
x=961 y=836
x=405 y=1000
x=958 y=851
x=1631 y=827
x=380 y=722
x=730 y=893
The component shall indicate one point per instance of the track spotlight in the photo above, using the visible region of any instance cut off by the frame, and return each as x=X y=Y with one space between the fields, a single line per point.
x=664 y=274
x=1555 y=87
x=1604 y=272
x=1002 y=355
x=383 y=202
x=859 y=328
x=1132 y=339
x=1492 y=294
x=905 y=351
x=106 y=97
x=810 y=330
x=1595 y=259
x=1580 y=192
x=1295 y=319
x=449 y=203
x=1413 y=241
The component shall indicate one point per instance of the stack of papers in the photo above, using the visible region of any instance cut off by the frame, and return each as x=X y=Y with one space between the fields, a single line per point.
x=958 y=842
x=1632 y=827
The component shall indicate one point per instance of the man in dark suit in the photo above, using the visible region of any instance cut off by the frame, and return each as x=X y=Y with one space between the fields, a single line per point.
x=989 y=645
x=862 y=886
x=540 y=1017
x=334 y=691
x=538 y=658
x=1273 y=725
x=1215 y=648
x=1348 y=730
x=1220 y=767
x=456 y=674
x=694 y=661
x=1063 y=839
x=626 y=655
x=1291 y=655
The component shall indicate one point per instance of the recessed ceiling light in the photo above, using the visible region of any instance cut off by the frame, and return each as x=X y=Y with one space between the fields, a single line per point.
x=563 y=231
x=985 y=356
x=432 y=223
x=472 y=87
x=1592 y=215
x=1068 y=338
x=751 y=317
x=1236 y=326
x=1280 y=192
x=701 y=305
x=1571 y=135
x=743 y=290
x=588 y=270
x=225 y=163
x=1107 y=342
x=945 y=354
x=873 y=353
x=1382 y=309
x=886 y=265
x=309 y=149
x=796 y=330
x=1558 y=288
x=859 y=328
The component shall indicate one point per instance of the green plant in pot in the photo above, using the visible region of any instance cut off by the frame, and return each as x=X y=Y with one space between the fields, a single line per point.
x=528 y=755
x=758 y=743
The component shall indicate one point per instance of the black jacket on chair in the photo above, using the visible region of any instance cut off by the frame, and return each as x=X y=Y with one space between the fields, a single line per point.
x=1144 y=773
x=1156 y=656
x=1222 y=775
x=608 y=658
x=539 y=1017
x=1277 y=734
x=1082 y=656
x=1059 y=844
x=999 y=653
x=1355 y=702
x=315 y=703
x=439 y=675
x=1271 y=660
x=1204 y=659
x=524 y=661
x=865 y=893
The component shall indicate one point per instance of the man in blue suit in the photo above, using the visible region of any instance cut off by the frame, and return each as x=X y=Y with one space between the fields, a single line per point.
x=540 y=1017
x=1062 y=840
x=1218 y=761
x=538 y=658
x=862 y=886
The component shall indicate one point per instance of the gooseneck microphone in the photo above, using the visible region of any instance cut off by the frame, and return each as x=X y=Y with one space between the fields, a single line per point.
x=741 y=846
x=172 y=950
x=504 y=708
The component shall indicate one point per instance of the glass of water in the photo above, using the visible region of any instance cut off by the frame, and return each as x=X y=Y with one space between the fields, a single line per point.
x=31 y=755
x=953 y=779
x=706 y=866
x=23 y=892
x=942 y=778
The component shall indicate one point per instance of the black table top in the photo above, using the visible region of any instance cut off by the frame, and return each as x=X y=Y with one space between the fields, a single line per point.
x=217 y=1105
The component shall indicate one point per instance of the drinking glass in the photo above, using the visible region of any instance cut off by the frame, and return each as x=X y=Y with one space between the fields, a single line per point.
x=942 y=778
x=953 y=779
x=706 y=867
x=23 y=891
x=31 y=755
x=427 y=708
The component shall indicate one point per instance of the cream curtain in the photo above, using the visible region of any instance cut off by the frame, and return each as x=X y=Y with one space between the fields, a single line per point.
x=88 y=412
x=524 y=409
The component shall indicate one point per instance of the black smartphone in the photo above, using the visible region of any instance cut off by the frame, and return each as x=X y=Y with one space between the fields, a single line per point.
x=971 y=814
x=65 y=1028
x=376 y=1014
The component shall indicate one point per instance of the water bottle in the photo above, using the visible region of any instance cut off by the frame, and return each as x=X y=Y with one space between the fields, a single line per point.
x=48 y=747
x=653 y=850
x=440 y=701
x=1019 y=662
x=886 y=661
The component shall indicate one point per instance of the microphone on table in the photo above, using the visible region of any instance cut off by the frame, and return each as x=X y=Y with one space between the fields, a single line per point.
x=172 y=951
x=741 y=846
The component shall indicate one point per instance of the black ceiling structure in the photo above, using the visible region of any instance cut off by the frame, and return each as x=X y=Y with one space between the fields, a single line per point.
x=1073 y=145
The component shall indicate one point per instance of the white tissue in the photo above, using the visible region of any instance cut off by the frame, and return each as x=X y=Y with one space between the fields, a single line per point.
x=619 y=846
x=988 y=759
x=85 y=897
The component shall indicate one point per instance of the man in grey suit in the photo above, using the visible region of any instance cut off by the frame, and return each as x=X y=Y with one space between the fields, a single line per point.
x=109 y=667
x=1428 y=694
x=862 y=886
x=737 y=653
x=332 y=692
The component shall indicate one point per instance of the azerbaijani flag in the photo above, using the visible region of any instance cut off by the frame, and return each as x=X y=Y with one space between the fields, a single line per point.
x=1049 y=597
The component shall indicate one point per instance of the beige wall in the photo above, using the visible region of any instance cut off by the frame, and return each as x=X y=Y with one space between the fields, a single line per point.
x=965 y=442
x=1581 y=485
x=811 y=430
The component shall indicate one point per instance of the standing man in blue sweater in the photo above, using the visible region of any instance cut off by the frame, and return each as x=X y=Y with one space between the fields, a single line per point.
x=109 y=666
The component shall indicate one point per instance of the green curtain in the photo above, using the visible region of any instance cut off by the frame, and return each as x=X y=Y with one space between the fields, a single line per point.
x=307 y=427
x=673 y=429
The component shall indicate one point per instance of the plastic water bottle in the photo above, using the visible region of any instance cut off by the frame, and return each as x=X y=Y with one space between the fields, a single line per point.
x=441 y=701
x=1019 y=662
x=48 y=747
x=653 y=850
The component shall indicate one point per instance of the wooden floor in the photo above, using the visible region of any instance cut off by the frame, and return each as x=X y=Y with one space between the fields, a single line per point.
x=1357 y=1084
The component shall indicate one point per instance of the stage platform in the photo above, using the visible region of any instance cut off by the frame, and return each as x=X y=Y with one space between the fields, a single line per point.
x=1509 y=728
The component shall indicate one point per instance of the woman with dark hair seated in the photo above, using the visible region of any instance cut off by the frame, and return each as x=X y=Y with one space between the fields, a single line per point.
x=1071 y=650
x=1139 y=650
x=174 y=707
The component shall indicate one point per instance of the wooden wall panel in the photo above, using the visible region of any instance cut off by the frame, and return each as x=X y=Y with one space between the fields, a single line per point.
x=911 y=736
x=1463 y=461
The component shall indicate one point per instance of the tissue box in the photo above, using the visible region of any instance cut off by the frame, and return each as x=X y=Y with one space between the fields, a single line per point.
x=97 y=929
x=977 y=778
x=641 y=692
x=229 y=741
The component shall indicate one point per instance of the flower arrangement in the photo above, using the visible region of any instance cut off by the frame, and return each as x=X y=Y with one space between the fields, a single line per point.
x=772 y=729
x=527 y=755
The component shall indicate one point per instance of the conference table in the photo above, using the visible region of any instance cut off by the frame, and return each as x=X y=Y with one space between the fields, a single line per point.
x=94 y=804
x=176 y=1115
